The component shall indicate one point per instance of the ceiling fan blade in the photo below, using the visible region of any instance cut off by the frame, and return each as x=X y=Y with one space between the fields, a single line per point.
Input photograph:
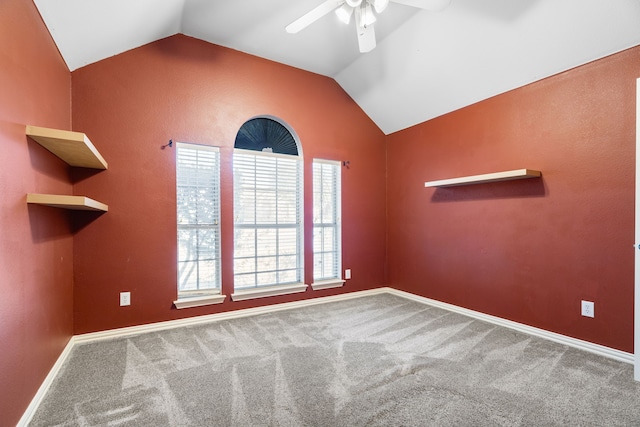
x=433 y=5
x=312 y=16
x=366 y=38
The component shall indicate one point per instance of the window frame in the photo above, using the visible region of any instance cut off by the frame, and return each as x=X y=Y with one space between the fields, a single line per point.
x=257 y=290
x=333 y=280
x=205 y=295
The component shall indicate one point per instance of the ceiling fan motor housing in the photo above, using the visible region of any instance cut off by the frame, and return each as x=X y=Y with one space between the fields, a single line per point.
x=353 y=3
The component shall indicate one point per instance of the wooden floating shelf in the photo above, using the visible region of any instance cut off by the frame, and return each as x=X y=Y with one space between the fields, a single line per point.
x=489 y=177
x=81 y=203
x=72 y=147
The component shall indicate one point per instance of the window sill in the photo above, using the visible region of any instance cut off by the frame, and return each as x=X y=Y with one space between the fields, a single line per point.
x=268 y=291
x=327 y=284
x=199 y=301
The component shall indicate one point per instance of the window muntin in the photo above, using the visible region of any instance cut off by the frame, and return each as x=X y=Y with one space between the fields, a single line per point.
x=327 y=233
x=268 y=230
x=198 y=219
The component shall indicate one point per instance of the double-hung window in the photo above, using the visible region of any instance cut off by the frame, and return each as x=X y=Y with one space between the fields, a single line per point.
x=327 y=240
x=198 y=218
x=268 y=231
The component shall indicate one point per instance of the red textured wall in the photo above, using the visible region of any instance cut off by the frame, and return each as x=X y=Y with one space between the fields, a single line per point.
x=529 y=250
x=188 y=90
x=525 y=250
x=36 y=243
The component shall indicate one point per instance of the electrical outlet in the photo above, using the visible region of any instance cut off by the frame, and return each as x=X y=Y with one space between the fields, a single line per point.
x=125 y=298
x=588 y=309
x=347 y=274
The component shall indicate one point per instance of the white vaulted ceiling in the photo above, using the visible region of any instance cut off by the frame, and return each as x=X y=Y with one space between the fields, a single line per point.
x=425 y=64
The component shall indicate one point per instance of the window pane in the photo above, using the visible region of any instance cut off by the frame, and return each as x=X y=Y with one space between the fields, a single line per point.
x=197 y=203
x=328 y=264
x=187 y=209
x=187 y=244
x=326 y=218
x=244 y=265
x=267 y=242
x=267 y=203
x=317 y=239
x=328 y=239
x=288 y=262
x=317 y=266
x=245 y=243
x=288 y=276
x=197 y=275
x=208 y=274
x=288 y=242
x=328 y=210
x=244 y=280
x=267 y=264
x=208 y=243
x=266 y=279
x=187 y=276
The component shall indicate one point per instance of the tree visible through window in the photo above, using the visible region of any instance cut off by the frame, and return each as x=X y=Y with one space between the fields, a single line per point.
x=198 y=217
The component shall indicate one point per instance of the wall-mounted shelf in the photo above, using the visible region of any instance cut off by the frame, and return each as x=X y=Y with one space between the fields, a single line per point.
x=81 y=203
x=75 y=149
x=72 y=147
x=488 y=177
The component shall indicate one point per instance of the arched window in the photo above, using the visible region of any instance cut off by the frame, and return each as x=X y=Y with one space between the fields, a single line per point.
x=268 y=225
x=267 y=135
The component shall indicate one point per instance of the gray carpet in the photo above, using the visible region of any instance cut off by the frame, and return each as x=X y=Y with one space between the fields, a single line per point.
x=372 y=361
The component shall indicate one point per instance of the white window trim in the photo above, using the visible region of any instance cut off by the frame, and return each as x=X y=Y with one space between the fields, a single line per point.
x=268 y=291
x=199 y=301
x=327 y=284
x=271 y=290
x=204 y=296
x=338 y=281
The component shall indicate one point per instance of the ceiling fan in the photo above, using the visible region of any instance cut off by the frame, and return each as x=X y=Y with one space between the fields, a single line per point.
x=364 y=16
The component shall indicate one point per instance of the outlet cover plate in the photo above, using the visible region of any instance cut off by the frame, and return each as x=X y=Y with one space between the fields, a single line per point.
x=588 y=309
x=125 y=298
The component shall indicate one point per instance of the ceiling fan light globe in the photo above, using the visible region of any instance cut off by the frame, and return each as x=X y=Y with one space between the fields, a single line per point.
x=353 y=3
x=380 y=5
x=344 y=13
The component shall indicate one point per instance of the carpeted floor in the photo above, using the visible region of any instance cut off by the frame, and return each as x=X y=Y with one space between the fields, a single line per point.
x=372 y=361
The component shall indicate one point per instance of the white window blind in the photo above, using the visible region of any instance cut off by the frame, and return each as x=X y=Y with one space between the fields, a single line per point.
x=198 y=214
x=327 y=262
x=268 y=219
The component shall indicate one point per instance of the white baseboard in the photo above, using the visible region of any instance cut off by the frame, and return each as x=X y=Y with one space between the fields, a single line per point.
x=198 y=320
x=44 y=387
x=159 y=326
x=541 y=333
